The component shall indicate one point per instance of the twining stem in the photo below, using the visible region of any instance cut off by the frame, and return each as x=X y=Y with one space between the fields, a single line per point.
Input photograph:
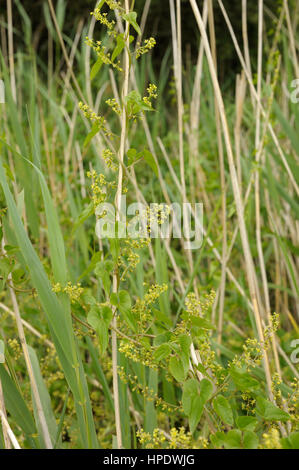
x=121 y=153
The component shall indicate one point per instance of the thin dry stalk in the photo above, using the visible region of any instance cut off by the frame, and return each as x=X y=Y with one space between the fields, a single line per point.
x=240 y=98
x=222 y=182
x=64 y=51
x=237 y=196
x=6 y=426
x=11 y=50
x=252 y=88
x=28 y=326
x=177 y=44
x=291 y=38
x=246 y=44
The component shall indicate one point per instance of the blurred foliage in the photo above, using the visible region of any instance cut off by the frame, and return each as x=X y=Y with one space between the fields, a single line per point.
x=158 y=25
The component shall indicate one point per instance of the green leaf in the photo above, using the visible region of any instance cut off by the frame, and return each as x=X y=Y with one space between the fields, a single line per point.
x=247 y=423
x=133 y=156
x=5 y=268
x=161 y=352
x=198 y=402
x=93 y=316
x=56 y=241
x=150 y=160
x=199 y=322
x=15 y=403
x=291 y=442
x=95 y=69
x=94 y=130
x=223 y=410
x=190 y=391
x=120 y=45
x=218 y=439
x=195 y=413
x=206 y=390
x=99 y=317
x=114 y=248
x=185 y=342
x=131 y=18
x=96 y=258
x=250 y=440
x=100 y=4
x=103 y=335
x=135 y=103
x=102 y=271
x=176 y=369
x=85 y=214
x=232 y=439
x=267 y=410
x=122 y=301
x=243 y=381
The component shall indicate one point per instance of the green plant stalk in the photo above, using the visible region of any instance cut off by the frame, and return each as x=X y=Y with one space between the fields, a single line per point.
x=121 y=154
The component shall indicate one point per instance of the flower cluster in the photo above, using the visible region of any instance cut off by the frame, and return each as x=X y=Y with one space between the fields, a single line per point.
x=248 y=403
x=253 y=349
x=102 y=18
x=112 y=103
x=148 y=393
x=129 y=253
x=100 y=121
x=99 y=187
x=73 y=291
x=151 y=94
x=107 y=155
x=104 y=56
x=140 y=354
x=197 y=307
x=293 y=402
x=15 y=347
x=147 y=46
x=113 y=5
x=271 y=439
x=177 y=439
x=155 y=440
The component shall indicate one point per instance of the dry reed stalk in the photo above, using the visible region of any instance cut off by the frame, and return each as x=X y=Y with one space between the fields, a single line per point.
x=11 y=50
x=8 y=430
x=252 y=88
x=251 y=276
x=222 y=183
